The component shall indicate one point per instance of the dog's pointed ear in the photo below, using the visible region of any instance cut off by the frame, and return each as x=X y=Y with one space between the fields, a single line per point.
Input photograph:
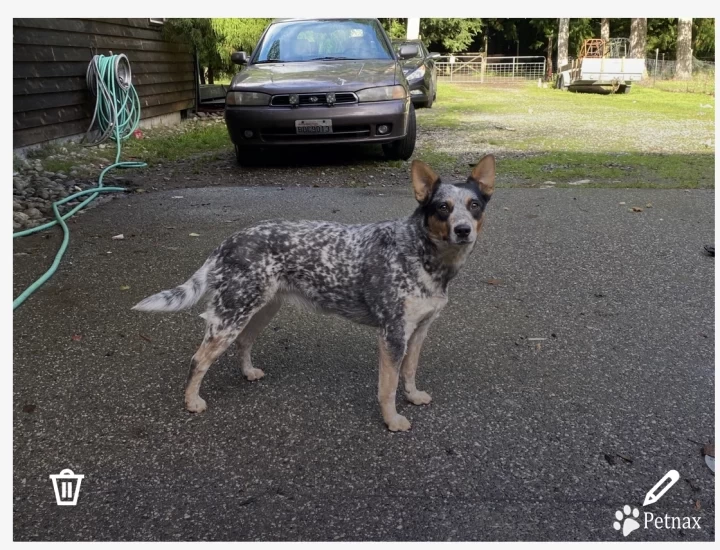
x=484 y=175
x=424 y=180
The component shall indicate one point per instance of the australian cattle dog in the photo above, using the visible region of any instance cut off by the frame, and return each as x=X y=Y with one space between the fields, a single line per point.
x=392 y=275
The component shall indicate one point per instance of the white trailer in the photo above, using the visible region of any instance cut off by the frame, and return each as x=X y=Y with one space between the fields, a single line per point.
x=601 y=66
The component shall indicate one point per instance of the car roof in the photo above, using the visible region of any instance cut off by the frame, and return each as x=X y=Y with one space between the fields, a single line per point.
x=284 y=19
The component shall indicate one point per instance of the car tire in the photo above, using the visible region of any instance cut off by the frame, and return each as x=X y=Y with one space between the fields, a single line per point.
x=246 y=156
x=431 y=98
x=625 y=89
x=402 y=149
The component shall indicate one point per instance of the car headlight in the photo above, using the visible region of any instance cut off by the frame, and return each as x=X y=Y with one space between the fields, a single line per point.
x=247 y=98
x=417 y=73
x=382 y=93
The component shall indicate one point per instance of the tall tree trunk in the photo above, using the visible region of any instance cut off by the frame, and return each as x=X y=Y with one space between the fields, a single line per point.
x=211 y=75
x=605 y=29
x=548 y=62
x=562 y=44
x=202 y=75
x=638 y=38
x=683 y=53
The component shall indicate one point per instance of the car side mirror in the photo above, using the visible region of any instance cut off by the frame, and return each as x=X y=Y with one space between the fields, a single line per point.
x=408 y=51
x=239 y=58
x=434 y=55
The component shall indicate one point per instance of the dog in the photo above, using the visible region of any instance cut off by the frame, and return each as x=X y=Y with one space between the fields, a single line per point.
x=392 y=275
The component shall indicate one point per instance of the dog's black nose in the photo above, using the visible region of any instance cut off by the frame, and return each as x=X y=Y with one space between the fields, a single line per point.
x=462 y=230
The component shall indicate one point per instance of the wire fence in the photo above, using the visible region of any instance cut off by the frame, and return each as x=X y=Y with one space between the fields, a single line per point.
x=662 y=74
x=475 y=68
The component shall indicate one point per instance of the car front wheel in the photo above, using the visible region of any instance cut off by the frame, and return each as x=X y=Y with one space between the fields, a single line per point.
x=246 y=156
x=402 y=149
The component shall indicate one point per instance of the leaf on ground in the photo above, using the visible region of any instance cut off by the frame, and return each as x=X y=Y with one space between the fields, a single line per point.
x=119 y=237
x=648 y=205
x=194 y=234
x=697 y=505
x=29 y=408
x=709 y=449
x=636 y=209
x=494 y=282
x=125 y=287
x=76 y=337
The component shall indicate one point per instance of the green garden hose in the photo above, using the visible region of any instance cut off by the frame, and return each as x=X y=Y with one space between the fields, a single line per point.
x=117 y=114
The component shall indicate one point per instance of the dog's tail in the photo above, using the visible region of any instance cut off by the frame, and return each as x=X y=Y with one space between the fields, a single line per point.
x=181 y=297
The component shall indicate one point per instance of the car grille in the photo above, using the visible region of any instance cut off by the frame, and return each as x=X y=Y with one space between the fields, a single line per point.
x=289 y=133
x=320 y=99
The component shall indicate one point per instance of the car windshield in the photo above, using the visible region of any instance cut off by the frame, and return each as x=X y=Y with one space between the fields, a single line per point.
x=398 y=45
x=293 y=41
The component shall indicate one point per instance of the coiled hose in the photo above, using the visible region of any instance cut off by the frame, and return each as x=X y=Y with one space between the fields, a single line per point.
x=117 y=114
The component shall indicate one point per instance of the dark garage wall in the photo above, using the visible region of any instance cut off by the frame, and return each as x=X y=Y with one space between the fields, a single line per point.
x=51 y=56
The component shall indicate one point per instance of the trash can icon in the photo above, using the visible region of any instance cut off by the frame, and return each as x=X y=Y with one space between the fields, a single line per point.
x=67 y=487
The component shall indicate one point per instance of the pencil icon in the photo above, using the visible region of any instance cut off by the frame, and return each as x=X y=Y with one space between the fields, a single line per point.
x=661 y=487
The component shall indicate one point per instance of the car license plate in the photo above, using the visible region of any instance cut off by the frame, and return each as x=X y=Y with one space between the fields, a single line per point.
x=315 y=126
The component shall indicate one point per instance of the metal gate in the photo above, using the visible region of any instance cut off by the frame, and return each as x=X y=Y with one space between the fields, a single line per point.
x=476 y=68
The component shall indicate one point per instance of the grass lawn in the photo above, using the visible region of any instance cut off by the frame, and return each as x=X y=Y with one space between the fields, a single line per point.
x=648 y=138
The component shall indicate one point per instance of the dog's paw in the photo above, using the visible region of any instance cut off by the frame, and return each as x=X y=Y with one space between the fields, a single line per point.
x=254 y=374
x=418 y=397
x=196 y=405
x=398 y=423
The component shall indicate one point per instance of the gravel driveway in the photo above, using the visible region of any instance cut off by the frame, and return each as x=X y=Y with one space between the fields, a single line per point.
x=572 y=368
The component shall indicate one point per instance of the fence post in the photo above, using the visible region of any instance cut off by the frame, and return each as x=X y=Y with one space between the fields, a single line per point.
x=483 y=65
x=657 y=51
x=513 y=76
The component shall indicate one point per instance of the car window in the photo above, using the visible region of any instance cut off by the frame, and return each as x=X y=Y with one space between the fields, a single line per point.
x=293 y=41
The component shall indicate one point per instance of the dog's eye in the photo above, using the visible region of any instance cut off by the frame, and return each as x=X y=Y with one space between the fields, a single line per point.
x=443 y=207
x=474 y=205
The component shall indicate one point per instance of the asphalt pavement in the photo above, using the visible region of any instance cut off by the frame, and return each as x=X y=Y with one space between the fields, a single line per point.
x=572 y=368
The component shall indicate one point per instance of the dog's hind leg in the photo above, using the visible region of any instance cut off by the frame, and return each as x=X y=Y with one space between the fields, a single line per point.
x=410 y=364
x=214 y=344
x=230 y=312
x=247 y=337
x=392 y=350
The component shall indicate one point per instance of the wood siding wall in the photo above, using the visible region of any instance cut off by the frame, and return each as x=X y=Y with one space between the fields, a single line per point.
x=50 y=59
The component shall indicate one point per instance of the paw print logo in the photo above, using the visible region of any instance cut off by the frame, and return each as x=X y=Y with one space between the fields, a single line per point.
x=628 y=523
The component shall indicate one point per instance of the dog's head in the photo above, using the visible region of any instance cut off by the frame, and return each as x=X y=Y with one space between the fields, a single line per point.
x=454 y=212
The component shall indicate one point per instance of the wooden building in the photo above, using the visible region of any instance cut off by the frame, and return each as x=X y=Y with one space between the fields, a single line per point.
x=50 y=59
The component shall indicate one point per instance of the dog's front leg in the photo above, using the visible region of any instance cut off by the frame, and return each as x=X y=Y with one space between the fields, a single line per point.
x=410 y=364
x=392 y=350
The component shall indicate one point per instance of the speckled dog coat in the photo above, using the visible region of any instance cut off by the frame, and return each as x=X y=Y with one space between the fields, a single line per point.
x=392 y=275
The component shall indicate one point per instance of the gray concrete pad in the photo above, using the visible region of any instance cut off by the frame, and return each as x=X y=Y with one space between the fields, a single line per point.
x=525 y=439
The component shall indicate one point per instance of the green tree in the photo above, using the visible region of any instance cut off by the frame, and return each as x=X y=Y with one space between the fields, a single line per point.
x=704 y=37
x=235 y=34
x=215 y=39
x=395 y=28
x=455 y=34
x=199 y=33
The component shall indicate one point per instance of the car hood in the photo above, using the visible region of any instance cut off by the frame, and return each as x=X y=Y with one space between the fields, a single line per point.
x=309 y=76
